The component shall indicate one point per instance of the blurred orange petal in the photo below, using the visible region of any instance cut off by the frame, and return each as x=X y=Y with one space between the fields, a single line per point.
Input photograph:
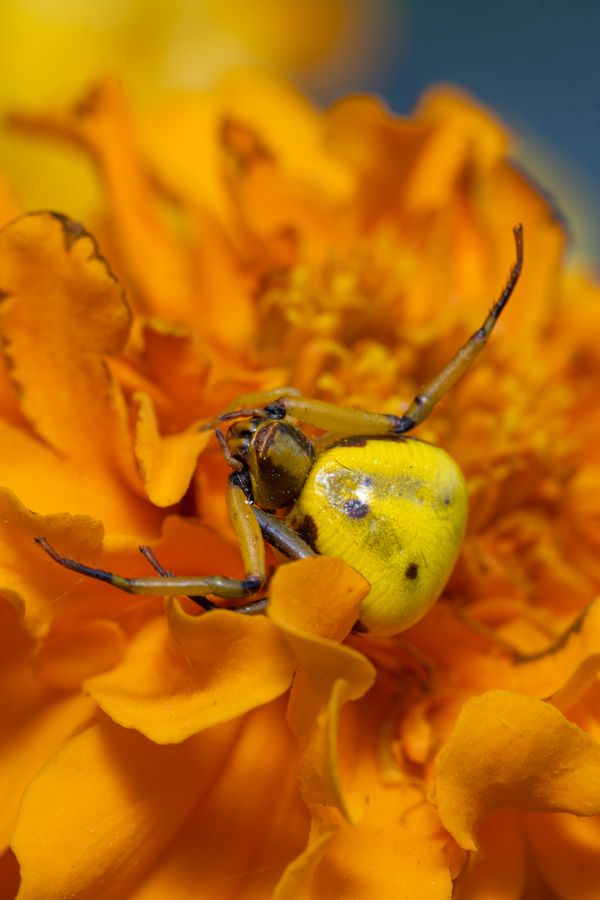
x=567 y=851
x=102 y=124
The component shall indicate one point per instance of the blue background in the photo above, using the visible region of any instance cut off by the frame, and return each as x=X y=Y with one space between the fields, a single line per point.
x=535 y=63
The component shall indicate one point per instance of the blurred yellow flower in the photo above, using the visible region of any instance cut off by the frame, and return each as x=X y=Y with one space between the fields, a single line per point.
x=150 y=751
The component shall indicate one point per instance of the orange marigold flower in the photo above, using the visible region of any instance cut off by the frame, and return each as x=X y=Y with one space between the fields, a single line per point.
x=248 y=242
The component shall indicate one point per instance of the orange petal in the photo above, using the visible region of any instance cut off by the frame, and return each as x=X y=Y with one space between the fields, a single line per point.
x=67 y=659
x=102 y=123
x=297 y=878
x=567 y=851
x=283 y=119
x=398 y=852
x=315 y=603
x=110 y=788
x=510 y=750
x=28 y=578
x=62 y=311
x=166 y=463
x=246 y=828
x=34 y=720
x=499 y=870
x=460 y=134
x=201 y=671
x=47 y=483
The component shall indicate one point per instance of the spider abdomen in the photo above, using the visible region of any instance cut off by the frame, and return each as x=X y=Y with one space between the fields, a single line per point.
x=395 y=509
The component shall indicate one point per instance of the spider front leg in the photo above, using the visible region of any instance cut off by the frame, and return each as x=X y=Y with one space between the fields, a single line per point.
x=249 y=536
x=250 y=525
x=178 y=586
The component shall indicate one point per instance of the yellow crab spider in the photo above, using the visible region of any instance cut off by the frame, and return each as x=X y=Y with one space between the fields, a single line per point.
x=392 y=506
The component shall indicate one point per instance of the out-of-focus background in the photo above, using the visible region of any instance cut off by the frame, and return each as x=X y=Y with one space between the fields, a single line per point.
x=532 y=61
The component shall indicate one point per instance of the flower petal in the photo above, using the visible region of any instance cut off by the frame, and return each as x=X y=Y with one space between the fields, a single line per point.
x=511 y=750
x=65 y=660
x=34 y=719
x=315 y=603
x=398 y=851
x=101 y=122
x=201 y=670
x=166 y=464
x=27 y=576
x=62 y=310
x=245 y=828
x=499 y=869
x=106 y=805
x=48 y=483
x=567 y=850
x=297 y=878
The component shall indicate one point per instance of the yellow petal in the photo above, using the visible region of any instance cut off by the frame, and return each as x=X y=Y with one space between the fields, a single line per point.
x=511 y=750
x=198 y=671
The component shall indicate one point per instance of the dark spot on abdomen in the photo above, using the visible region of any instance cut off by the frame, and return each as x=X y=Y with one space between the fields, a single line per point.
x=412 y=570
x=355 y=508
x=308 y=531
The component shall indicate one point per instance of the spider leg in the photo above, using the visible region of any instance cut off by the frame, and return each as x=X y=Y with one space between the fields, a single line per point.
x=165 y=584
x=148 y=554
x=219 y=585
x=249 y=523
x=344 y=421
x=438 y=387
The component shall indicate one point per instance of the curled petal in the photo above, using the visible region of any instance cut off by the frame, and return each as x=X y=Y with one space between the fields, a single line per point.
x=397 y=852
x=196 y=672
x=166 y=463
x=511 y=750
x=62 y=310
x=315 y=603
x=28 y=578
